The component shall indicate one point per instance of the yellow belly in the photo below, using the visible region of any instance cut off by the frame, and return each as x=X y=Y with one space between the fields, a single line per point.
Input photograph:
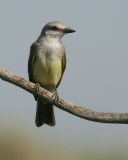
x=47 y=71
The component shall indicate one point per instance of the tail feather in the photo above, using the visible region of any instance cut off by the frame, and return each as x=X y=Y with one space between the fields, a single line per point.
x=44 y=114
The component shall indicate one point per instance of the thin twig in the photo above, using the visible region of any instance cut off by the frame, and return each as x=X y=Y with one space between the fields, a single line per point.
x=76 y=110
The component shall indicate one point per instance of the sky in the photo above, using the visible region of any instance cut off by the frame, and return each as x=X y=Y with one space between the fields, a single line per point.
x=96 y=75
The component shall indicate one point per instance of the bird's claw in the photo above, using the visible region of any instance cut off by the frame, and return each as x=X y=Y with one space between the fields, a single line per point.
x=36 y=89
x=55 y=96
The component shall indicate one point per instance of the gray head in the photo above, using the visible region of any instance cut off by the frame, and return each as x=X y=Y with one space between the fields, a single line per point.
x=56 y=29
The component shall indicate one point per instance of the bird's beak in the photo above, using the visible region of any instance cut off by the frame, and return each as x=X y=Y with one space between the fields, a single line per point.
x=68 y=30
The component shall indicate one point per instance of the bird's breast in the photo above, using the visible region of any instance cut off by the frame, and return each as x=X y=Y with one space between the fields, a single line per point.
x=47 y=69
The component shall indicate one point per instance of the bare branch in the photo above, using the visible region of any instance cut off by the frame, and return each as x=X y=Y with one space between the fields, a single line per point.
x=63 y=104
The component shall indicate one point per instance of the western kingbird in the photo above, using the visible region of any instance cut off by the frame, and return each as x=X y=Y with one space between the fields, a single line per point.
x=46 y=65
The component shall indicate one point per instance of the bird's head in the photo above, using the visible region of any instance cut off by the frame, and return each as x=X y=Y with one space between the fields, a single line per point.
x=56 y=29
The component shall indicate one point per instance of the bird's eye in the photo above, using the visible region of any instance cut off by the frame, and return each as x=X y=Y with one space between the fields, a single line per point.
x=54 y=28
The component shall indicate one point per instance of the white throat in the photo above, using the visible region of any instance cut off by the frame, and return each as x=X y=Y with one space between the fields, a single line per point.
x=51 y=45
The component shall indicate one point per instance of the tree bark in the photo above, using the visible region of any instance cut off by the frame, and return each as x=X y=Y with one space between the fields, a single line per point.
x=103 y=117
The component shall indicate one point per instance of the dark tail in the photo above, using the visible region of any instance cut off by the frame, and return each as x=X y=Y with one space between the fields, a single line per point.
x=44 y=114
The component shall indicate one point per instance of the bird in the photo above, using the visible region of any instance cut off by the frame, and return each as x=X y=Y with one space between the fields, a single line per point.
x=46 y=66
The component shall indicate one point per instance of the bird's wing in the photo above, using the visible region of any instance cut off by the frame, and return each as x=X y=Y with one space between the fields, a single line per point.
x=63 y=61
x=31 y=60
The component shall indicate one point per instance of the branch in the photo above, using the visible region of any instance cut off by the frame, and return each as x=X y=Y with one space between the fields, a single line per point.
x=63 y=104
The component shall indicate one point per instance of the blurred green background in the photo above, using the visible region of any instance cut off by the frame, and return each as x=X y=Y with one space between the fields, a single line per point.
x=96 y=77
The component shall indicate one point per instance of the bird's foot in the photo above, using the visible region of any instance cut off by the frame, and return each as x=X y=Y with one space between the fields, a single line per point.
x=55 y=96
x=36 y=89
